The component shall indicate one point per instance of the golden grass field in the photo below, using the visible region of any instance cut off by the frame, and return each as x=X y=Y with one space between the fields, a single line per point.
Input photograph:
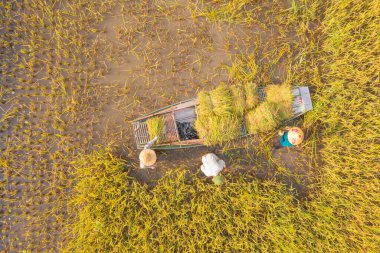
x=75 y=73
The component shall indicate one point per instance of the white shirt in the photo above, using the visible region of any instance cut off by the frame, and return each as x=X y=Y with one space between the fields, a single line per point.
x=212 y=165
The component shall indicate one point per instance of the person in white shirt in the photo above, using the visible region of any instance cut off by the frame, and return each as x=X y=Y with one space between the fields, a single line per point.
x=212 y=166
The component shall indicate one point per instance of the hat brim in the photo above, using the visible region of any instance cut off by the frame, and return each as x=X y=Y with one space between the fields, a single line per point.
x=148 y=157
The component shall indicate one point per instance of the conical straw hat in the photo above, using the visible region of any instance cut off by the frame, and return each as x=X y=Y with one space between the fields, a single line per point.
x=295 y=135
x=148 y=157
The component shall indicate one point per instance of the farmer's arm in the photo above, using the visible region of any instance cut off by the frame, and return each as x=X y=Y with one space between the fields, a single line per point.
x=150 y=143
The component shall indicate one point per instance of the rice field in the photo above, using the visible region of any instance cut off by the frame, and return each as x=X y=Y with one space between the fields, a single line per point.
x=75 y=73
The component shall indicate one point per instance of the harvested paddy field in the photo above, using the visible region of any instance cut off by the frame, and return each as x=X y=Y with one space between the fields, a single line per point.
x=74 y=74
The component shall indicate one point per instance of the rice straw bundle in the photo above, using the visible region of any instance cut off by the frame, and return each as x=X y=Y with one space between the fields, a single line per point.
x=281 y=99
x=204 y=107
x=279 y=94
x=282 y=111
x=251 y=95
x=218 y=129
x=220 y=114
x=156 y=127
x=238 y=96
x=262 y=119
x=221 y=98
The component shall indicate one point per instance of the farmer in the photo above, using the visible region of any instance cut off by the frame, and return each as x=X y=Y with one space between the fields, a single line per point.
x=148 y=157
x=212 y=166
x=291 y=137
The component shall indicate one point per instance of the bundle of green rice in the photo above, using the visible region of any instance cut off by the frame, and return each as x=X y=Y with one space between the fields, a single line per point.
x=279 y=94
x=262 y=119
x=156 y=127
x=218 y=129
x=251 y=95
x=238 y=96
x=222 y=101
x=205 y=107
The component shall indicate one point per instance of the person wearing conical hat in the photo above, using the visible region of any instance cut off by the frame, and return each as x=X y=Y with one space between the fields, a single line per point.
x=293 y=136
x=147 y=156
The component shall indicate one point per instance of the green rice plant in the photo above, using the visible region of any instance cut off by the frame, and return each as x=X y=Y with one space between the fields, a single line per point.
x=156 y=127
x=238 y=99
x=222 y=101
x=251 y=95
x=204 y=106
x=218 y=129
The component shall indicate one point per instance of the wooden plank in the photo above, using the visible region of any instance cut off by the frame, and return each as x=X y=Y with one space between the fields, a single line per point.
x=176 y=127
x=171 y=130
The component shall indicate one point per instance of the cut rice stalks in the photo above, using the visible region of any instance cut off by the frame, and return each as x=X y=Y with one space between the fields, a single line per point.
x=281 y=99
x=279 y=94
x=238 y=98
x=218 y=129
x=222 y=101
x=243 y=69
x=263 y=119
x=282 y=111
x=156 y=128
x=205 y=107
x=251 y=94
